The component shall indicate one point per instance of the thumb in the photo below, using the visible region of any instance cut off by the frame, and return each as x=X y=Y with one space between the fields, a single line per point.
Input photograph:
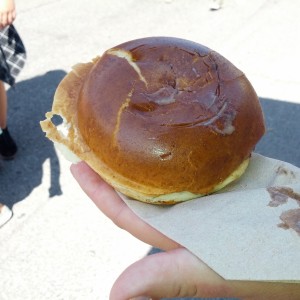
x=176 y=273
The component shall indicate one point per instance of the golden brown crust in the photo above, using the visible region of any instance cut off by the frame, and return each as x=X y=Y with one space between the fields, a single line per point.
x=159 y=115
x=176 y=117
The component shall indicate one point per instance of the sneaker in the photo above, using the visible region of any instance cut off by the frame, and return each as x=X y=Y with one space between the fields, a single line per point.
x=5 y=214
x=8 y=147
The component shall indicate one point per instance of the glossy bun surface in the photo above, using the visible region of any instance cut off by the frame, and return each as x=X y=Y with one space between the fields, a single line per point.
x=161 y=119
x=169 y=114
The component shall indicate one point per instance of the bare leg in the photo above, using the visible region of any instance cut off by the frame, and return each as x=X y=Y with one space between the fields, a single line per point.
x=3 y=106
x=8 y=147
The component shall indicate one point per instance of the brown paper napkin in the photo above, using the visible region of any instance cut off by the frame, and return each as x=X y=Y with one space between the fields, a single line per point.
x=248 y=231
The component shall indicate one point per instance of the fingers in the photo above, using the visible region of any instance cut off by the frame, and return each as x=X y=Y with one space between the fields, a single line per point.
x=172 y=274
x=179 y=274
x=11 y=17
x=3 y=20
x=7 y=18
x=108 y=201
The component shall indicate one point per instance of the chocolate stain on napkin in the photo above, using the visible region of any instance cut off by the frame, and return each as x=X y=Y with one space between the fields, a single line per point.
x=283 y=171
x=290 y=218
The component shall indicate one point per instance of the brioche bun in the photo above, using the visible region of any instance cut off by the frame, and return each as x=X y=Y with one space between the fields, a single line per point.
x=161 y=119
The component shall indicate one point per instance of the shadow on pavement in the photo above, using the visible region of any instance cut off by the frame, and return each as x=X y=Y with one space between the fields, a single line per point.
x=281 y=141
x=28 y=102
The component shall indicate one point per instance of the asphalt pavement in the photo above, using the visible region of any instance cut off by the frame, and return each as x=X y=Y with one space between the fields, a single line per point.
x=57 y=245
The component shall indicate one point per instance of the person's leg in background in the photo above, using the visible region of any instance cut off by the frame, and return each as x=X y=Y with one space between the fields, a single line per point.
x=8 y=147
x=3 y=106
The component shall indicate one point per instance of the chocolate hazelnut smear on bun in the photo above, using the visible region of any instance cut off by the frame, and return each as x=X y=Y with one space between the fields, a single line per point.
x=163 y=120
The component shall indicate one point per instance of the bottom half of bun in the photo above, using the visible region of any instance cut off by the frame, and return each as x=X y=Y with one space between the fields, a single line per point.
x=71 y=145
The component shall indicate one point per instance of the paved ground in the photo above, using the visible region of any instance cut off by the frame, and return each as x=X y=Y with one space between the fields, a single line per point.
x=57 y=245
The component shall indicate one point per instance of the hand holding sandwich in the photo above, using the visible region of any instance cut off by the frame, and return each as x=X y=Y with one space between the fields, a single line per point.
x=174 y=273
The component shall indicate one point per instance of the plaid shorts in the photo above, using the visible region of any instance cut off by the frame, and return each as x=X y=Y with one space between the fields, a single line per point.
x=12 y=54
